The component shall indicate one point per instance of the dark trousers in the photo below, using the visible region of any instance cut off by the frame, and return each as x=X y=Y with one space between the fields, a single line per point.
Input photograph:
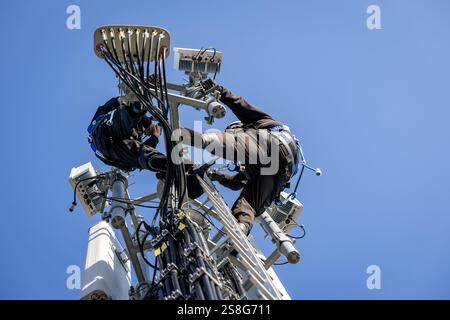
x=257 y=194
x=262 y=186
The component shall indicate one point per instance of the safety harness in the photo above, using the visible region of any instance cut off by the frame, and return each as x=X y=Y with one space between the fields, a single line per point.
x=95 y=124
x=291 y=144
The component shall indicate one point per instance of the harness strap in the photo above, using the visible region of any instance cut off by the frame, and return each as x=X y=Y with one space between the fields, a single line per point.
x=95 y=124
x=290 y=143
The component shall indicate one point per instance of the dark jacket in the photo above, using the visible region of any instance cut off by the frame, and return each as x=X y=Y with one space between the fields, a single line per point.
x=250 y=115
x=255 y=118
x=128 y=128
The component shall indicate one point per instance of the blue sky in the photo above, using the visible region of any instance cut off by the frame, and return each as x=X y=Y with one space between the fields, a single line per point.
x=371 y=108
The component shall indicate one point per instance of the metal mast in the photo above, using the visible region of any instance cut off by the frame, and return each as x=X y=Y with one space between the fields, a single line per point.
x=187 y=260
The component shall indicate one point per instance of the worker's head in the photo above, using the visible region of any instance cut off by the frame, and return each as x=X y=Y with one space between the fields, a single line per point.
x=235 y=125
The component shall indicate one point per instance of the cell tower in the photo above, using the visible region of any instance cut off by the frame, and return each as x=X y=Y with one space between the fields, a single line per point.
x=190 y=249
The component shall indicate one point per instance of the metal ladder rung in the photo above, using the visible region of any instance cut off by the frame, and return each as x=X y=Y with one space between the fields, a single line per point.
x=255 y=268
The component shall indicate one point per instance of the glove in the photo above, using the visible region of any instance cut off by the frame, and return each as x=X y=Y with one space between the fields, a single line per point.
x=208 y=85
x=214 y=175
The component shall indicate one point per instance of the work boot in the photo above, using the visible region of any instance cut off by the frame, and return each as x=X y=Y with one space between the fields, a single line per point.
x=246 y=230
x=157 y=163
x=244 y=227
x=194 y=188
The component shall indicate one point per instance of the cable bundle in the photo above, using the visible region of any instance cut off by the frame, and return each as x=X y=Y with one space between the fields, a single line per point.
x=130 y=54
x=181 y=254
